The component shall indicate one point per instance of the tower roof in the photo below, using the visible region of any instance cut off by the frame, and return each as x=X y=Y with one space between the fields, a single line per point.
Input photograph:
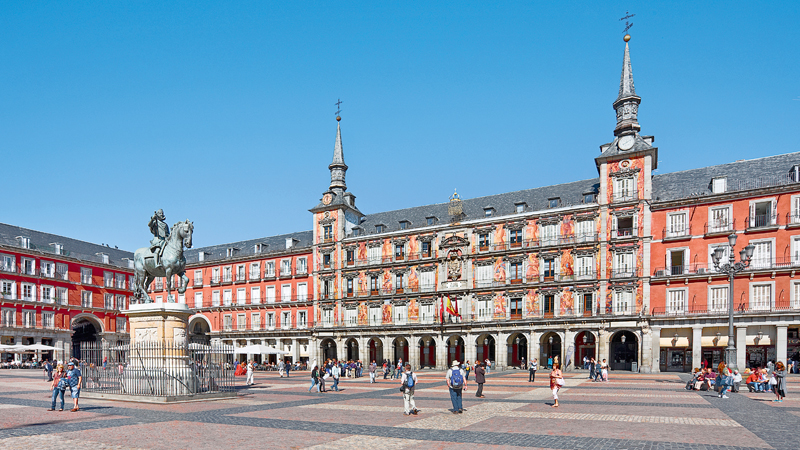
x=337 y=166
x=627 y=102
x=626 y=88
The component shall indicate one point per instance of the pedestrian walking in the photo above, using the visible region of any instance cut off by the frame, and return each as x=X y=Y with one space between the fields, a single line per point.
x=314 y=378
x=780 y=381
x=556 y=381
x=288 y=367
x=522 y=363
x=592 y=368
x=250 y=368
x=480 y=378
x=603 y=372
x=467 y=369
x=58 y=386
x=48 y=370
x=372 y=369
x=488 y=365
x=456 y=383
x=385 y=369
x=532 y=370
x=75 y=382
x=723 y=379
x=336 y=372
x=408 y=382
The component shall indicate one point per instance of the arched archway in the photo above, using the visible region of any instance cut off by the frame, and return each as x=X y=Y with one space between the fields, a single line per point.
x=550 y=347
x=427 y=352
x=199 y=330
x=517 y=348
x=327 y=350
x=351 y=347
x=85 y=329
x=623 y=351
x=585 y=346
x=485 y=345
x=375 y=350
x=455 y=349
x=400 y=350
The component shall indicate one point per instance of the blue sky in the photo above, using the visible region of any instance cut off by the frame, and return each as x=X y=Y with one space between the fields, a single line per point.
x=223 y=112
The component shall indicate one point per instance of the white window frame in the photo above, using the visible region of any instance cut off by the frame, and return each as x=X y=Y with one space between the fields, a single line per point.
x=9 y=263
x=302 y=266
x=241 y=321
x=48 y=294
x=9 y=317
x=269 y=268
x=227 y=297
x=108 y=301
x=302 y=319
x=270 y=321
x=286 y=267
x=619 y=297
x=794 y=294
x=255 y=270
x=241 y=272
x=48 y=319
x=722 y=304
x=227 y=274
x=108 y=279
x=241 y=296
x=624 y=188
x=716 y=225
x=198 y=278
x=286 y=320
x=62 y=271
x=31 y=288
x=761 y=264
x=11 y=293
x=773 y=210
x=47 y=268
x=198 y=299
x=677 y=224
x=302 y=292
x=29 y=318
x=269 y=294
x=28 y=271
x=794 y=215
x=719 y=185
x=677 y=300
x=795 y=250
x=215 y=275
x=255 y=321
x=620 y=258
x=286 y=293
x=122 y=325
x=685 y=265
x=215 y=298
x=585 y=230
x=400 y=313
x=761 y=306
x=86 y=275
x=227 y=322
x=87 y=299
x=255 y=295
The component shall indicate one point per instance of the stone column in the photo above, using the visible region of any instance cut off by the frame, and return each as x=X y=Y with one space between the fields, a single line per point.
x=501 y=350
x=697 y=352
x=741 y=347
x=781 y=345
x=602 y=344
x=569 y=342
x=413 y=351
x=655 y=339
x=363 y=351
x=441 y=353
x=341 y=349
x=533 y=346
x=295 y=350
x=470 y=349
x=313 y=351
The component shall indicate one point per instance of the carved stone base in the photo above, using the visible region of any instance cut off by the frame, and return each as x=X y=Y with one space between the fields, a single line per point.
x=164 y=323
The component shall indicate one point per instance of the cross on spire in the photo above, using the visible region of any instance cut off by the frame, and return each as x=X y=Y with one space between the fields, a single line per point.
x=628 y=25
x=338 y=106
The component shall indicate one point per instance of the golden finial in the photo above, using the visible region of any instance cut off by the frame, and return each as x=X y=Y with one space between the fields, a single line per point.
x=627 y=38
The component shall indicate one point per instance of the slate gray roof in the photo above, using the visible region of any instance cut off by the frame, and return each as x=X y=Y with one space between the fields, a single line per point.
x=73 y=248
x=503 y=204
x=271 y=244
x=741 y=175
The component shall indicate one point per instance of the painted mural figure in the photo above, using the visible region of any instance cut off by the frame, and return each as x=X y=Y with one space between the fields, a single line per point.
x=160 y=230
x=499 y=307
x=499 y=270
x=413 y=280
x=454 y=265
x=362 y=251
x=362 y=283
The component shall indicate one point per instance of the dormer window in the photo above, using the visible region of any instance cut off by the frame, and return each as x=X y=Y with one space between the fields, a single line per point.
x=588 y=198
x=24 y=241
x=258 y=248
x=554 y=202
x=103 y=257
x=379 y=228
x=356 y=231
x=58 y=249
x=719 y=185
x=794 y=174
x=431 y=220
x=404 y=224
x=231 y=252
x=488 y=211
x=520 y=207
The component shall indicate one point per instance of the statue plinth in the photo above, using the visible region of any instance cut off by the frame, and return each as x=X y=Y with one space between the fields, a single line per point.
x=164 y=323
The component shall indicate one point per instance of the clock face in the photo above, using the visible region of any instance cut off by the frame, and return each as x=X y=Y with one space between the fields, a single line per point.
x=625 y=142
x=327 y=199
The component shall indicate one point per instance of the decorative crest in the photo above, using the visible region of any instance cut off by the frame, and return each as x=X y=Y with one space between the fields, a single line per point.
x=456 y=209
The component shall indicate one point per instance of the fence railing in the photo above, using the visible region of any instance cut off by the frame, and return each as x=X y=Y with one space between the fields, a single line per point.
x=156 y=368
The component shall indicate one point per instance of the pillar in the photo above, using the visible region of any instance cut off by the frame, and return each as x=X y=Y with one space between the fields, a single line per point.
x=413 y=351
x=569 y=343
x=501 y=350
x=781 y=345
x=655 y=339
x=741 y=348
x=470 y=349
x=295 y=350
x=697 y=351
x=341 y=349
x=602 y=344
x=441 y=353
x=363 y=351
x=313 y=352
x=533 y=346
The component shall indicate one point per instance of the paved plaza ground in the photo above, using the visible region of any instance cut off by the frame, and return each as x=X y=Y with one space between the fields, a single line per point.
x=631 y=411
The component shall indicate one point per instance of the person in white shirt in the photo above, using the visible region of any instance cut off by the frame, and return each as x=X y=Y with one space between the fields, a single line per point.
x=250 y=373
x=336 y=371
x=408 y=382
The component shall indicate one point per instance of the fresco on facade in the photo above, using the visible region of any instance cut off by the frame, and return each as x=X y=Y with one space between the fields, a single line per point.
x=363 y=288
x=413 y=279
x=531 y=303
x=386 y=250
x=566 y=302
x=499 y=306
x=387 y=281
x=608 y=227
x=532 y=231
x=639 y=223
x=609 y=262
x=640 y=258
x=336 y=314
x=532 y=271
x=639 y=298
x=413 y=247
x=362 y=251
x=500 y=235
x=363 y=318
x=413 y=310
x=387 y=312
x=609 y=301
x=318 y=315
x=499 y=269
x=567 y=226
x=566 y=263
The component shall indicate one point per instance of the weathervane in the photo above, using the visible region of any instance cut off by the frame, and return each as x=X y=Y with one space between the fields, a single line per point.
x=338 y=108
x=628 y=25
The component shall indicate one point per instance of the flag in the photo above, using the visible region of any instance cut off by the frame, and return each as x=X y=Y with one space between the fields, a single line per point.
x=452 y=308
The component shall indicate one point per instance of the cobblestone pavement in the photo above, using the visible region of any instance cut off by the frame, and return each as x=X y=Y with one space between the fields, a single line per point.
x=631 y=411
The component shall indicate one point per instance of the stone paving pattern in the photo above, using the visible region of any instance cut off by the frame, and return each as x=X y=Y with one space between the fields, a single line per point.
x=631 y=411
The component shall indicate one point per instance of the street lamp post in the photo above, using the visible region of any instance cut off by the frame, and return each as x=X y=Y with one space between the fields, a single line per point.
x=731 y=268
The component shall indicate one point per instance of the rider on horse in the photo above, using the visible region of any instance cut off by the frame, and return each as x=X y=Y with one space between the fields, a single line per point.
x=160 y=231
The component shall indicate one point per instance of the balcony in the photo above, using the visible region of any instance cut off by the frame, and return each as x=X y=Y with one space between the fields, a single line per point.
x=624 y=233
x=628 y=272
x=722 y=227
x=676 y=233
x=793 y=219
x=215 y=281
x=742 y=307
x=762 y=222
x=625 y=196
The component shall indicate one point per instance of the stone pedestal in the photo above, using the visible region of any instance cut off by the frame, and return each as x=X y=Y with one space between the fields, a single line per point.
x=158 y=322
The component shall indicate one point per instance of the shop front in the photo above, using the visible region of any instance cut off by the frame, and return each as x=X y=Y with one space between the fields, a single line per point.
x=676 y=350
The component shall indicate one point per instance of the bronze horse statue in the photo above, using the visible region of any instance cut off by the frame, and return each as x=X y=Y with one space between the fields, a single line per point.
x=172 y=263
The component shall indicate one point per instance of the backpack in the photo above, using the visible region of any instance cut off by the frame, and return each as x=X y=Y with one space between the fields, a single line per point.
x=456 y=380
x=410 y=380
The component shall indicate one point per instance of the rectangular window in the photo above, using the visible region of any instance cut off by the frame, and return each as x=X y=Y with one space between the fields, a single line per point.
x=215 y=275
x=121 y=324
x=400 y=314
x=241 y=321
x=198 y=278
x=270 y=294
x=622 y=302
x=198 y=299
x=430 y=220
x=584 y=266
x=399 y=252
x=227 y=274
x=286 y=267
x=350 y=256
x=676 y=301
x=48 y=320
x=795 y=295
x=403 y=225
x=270 y=321
x=516 y=308
x=9 y=263
x=515 y=238
x=426 y=313
x=241 y=296
x=86 y=275
x=227 y=322
x=374 y=255
x=215 y=298
x=28 y=266
x=515 y=269
x=255 y=271
x=373 y=285
x=426 y=249
x=302 y=266
x=720 y=219
x=120 y=302
x=61 y=295
x=549 y=235
x=29 y=319
x=227 y=297
x=286 y=293
x=255 y=321
x=762 y=255
x=108 y=301
x=350 y=292
x=718 y=185
x=623 y=265
x=255 y=295
x=427 y=281
x=485 y=310
x=47 y=269
x=119 y=280
x=549 y=269
x=351 y=316
x=760 y=297
x=554 y=202
x=240 y=273
x=286 y=320
x=677 y=225
x=86 y=299
x=483 y=241
x=587 y=301
x=28 y=292
x=302 y=319
x=62 y=271
x=762 y=214
x=326 y=260
x=677 y=261
x=794 y=215
x=9 y=317
x=549 y=305
x=588 y=198
x=327 y=232
x=7 y=289
x=108 y=279
x=379 y=228
x=718 y=298
x=269 y=269
x=624 y=189
x=47 y=294
x=302 y=292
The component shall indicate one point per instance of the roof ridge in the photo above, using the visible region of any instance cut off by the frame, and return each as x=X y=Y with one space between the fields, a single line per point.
x=738 y=161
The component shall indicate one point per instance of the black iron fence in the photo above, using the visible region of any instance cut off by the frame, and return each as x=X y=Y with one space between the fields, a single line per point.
x=156 y=368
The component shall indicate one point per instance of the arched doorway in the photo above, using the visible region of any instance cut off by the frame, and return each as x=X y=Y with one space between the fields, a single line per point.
x=623 y=351
x=486 y=348
x=199 y=330
x=550 y=346
x=586 y=346
x=455 y=349
x=517 y=347
x=427 y=352
x=328 y=350
x=375 y=350
x=84 y=334
x=352 y=349
x=400 y=350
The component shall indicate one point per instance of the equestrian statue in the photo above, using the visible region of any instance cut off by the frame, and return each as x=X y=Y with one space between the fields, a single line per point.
x=163 y=258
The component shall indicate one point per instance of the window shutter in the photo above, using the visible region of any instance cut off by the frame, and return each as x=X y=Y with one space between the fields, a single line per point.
x=752 y=214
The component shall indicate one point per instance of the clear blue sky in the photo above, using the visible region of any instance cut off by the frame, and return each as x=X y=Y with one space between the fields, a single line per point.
x=102 y=104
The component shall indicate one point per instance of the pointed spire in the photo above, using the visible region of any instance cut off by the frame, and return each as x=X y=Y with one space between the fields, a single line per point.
x=337 y=166
x=627 y=102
